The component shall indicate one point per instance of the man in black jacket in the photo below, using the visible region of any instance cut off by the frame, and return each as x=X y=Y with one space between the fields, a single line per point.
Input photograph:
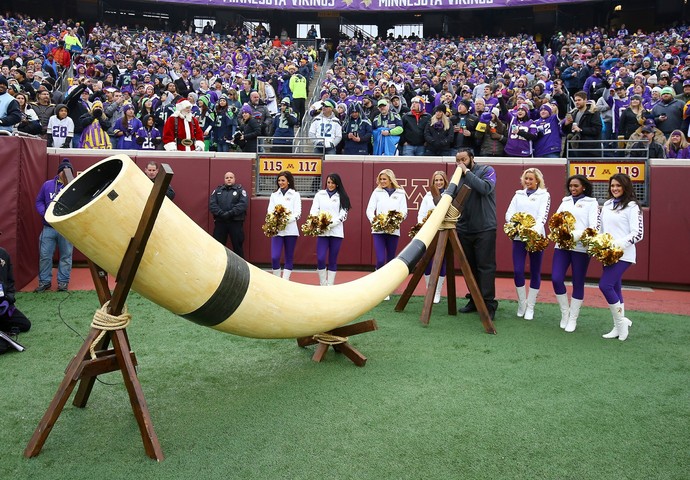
x=476 y=227
x=12 y=320
x=585 y=122
x=414 y=122
x=464 y=124
x=228 y=205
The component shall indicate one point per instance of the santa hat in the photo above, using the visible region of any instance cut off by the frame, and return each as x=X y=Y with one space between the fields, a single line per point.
x=183 y=104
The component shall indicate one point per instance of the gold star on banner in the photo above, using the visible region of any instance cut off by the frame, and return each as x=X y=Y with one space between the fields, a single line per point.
x=347 y=3
x=366 y=3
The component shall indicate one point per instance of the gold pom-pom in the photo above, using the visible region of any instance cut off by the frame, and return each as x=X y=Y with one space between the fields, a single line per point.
x=276 y=221
x=601 y=246
x=418 y=226
x=534 y=241
x=519 y=222
x=316 y=225
x=387 y=222
x=587 y=235
x=561 y=227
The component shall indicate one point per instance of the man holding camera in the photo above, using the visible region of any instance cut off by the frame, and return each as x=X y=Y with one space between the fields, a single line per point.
x=228 y=205
x=12 y=321
x=284 y=127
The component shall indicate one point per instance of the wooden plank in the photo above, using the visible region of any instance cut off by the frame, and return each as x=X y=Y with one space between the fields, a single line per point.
x=472 y=286
x=136 y=397
x=320 y=352
x=105 y=364
x=416 y=275
x=45 y=425
x=352 y=353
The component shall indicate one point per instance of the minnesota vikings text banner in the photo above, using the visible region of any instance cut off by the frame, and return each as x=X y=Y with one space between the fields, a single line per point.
x=376 y=5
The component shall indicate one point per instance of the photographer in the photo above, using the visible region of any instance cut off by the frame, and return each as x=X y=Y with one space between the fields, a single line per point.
x=249 y=129
x=284 y=127
x=29 y=122
x=11 y=319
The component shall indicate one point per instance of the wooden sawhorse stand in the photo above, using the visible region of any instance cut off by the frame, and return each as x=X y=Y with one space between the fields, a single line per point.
x=337 y=338
x=446 y=244
x=85 y=369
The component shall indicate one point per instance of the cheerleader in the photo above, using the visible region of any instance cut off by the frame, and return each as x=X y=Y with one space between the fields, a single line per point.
x=535 y=200
x=585 y=208
x=387 y=196
x=621 y=217
x=439 y=182
x=334 y=200
x=286 y=238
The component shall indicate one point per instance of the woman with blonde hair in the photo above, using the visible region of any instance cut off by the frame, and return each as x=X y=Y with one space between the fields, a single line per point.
x=439 y=133
x=532 y=199
x=439 y=182
x=677 y=145
x=386 y=197
x=631 y=116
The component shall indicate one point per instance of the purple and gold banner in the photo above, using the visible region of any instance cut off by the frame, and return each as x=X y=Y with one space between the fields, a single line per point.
x=374 y=5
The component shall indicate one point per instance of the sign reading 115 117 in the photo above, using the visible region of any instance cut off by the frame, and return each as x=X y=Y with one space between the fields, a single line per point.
x=297 y=166
x=602 y=171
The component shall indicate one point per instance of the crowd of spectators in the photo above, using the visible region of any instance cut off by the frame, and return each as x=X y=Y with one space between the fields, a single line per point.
x=507 y=97
x=130 y=81
x=502 y=96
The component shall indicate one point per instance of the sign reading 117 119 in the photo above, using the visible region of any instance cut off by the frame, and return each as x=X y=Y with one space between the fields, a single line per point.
x=274 y=164
x=595 y=171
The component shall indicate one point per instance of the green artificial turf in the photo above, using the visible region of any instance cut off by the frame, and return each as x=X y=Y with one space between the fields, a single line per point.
x=445 y=401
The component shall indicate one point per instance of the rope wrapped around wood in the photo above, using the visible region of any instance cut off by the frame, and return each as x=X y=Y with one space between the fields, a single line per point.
x=329 y=339
x=451 y=219
x=106 y=322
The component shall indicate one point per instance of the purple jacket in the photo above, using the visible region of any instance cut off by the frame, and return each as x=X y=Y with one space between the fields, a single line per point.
x=680 y=153
x=48 y=192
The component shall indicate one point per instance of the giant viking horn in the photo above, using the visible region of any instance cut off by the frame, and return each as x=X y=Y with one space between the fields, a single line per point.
x=186 y=271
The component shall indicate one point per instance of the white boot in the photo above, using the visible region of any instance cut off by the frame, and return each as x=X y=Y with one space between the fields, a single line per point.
x=522 y=300
x=426 y=280
x=286 y=274
x=565 y=309
x=330 y=279
x=322 y=276
x=531 y=302
x=614 y=333
x=439 y=287
x=620 y=323
x=575 y=305
x=276 y=273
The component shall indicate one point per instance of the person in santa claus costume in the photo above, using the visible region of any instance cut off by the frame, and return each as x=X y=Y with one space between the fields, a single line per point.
x=182 y=131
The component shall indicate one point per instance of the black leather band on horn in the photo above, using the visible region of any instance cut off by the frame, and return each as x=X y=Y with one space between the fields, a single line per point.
x=228 y=295
x=452 y=190
x=412 y=253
